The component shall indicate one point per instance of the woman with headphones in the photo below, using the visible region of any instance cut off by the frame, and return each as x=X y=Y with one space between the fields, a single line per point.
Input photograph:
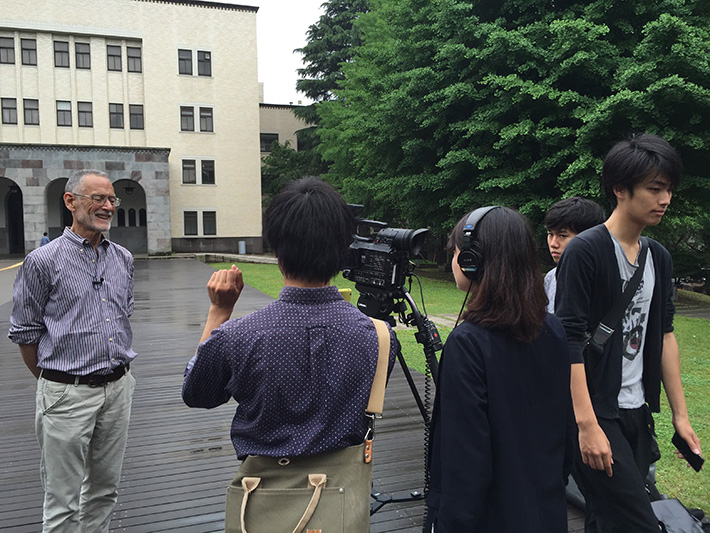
x=502 y=425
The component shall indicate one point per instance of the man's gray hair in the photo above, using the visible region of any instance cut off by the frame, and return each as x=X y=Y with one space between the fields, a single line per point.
x=74 y=181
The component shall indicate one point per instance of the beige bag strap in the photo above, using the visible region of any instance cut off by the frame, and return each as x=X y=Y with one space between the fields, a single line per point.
x=249 y=484
x=377 y=393
x=317 y=481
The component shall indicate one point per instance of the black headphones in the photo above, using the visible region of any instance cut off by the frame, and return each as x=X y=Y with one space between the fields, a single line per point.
x=470 y=258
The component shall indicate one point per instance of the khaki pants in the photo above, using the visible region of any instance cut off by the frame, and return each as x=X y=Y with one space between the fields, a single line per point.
x=82 y=433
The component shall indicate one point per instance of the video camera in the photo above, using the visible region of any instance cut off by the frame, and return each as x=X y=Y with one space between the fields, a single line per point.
x=380 y=264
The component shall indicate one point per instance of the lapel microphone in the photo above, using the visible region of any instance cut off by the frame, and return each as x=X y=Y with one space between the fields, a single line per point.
x=97 y=283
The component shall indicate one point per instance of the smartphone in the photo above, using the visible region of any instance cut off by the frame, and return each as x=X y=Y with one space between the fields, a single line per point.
x=694 y=460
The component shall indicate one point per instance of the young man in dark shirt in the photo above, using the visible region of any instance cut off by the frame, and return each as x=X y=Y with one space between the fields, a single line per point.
x=614 y=392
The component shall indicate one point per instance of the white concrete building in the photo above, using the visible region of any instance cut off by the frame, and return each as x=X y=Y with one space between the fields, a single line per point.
x=160 y=94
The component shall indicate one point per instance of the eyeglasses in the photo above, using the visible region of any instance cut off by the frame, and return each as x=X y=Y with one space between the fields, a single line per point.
x=100 y=199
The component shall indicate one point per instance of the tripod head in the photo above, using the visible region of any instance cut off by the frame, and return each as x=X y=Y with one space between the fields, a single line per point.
x=385 y=305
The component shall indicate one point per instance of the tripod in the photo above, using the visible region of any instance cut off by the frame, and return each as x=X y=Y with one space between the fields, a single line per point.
x=428 y=336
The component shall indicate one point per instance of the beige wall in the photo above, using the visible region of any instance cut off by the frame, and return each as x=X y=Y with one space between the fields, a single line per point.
x=280 y=119
x=160 y=29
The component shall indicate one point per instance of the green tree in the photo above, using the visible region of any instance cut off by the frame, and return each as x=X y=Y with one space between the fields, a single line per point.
x=450 y=104
x=284 y=164
x=330 y=43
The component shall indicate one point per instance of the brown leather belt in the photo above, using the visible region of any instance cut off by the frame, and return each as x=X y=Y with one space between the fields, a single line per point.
x=92 y=380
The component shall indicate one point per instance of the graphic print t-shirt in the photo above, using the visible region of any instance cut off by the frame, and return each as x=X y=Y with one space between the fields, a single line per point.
x=634 y=324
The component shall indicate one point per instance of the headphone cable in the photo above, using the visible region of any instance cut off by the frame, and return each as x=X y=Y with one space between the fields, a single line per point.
x=468 y=291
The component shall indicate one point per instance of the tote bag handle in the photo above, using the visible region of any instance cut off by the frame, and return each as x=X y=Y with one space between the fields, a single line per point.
x=317 y=481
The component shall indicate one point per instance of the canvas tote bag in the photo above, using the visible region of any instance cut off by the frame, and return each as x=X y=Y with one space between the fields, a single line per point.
x=323 y=493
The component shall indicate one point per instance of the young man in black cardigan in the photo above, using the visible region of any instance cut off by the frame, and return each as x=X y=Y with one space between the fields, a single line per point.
x=614 y=392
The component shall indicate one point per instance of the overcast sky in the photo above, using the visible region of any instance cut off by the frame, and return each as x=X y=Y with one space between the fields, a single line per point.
x=281 y=27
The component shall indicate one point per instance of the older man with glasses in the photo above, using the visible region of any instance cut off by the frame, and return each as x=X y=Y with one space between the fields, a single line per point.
x=72 y=299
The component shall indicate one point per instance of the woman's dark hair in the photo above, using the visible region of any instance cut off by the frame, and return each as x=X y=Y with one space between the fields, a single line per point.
x=309 y=227
x=508 y=294
x=637 y=159
x=575 y=213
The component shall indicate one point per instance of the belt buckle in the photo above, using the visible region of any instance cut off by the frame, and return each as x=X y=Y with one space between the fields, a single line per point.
x=97 y=380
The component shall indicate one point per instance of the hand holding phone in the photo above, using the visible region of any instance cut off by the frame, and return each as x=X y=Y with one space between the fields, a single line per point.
x=694 y=460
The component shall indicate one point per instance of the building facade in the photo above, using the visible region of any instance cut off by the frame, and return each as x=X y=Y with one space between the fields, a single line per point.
x=278 y=123
x=160 y=94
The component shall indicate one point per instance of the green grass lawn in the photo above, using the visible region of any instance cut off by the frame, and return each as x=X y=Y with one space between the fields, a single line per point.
x=442 y=299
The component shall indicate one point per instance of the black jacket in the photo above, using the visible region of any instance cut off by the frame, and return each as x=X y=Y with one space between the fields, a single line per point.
x=502 y=433
x=588 y=284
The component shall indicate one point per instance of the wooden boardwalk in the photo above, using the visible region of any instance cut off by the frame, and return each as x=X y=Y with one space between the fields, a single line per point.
x=180 y=460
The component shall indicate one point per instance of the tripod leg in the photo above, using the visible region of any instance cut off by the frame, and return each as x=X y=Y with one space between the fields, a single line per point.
x=412 y=386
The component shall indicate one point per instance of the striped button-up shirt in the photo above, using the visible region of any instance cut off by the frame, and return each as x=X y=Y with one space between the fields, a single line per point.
x=74 y=302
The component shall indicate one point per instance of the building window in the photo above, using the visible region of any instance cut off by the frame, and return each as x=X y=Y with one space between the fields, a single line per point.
x=185 y=62
x=83 y=55
x=29 y=51
x=142 y=217
x=61 y=54
x=207 y=172
x=190 y=222
x=204 y=63
x=206 y=121
x=121 y=217
x=115 y=115
x=134 y=59
x=189 y=173
x=131 y=217
x=31 y=112
x=86 y=114
x=209 y=222
x=266 y=140
x=113 y=57
x=187 y=119
x=136 y=114
x=63 y=113
x=9 y=110
x=7 y=50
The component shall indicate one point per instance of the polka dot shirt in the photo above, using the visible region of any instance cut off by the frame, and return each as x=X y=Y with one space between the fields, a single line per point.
x=300 y=369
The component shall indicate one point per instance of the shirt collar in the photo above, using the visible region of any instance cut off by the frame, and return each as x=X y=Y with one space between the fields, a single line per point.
x=81 y=241
x=310 y=296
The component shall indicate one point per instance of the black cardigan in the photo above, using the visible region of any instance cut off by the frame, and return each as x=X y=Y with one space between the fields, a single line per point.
x=588 y=284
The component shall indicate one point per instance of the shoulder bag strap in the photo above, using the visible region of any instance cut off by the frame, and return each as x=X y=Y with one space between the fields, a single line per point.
x=605 y=330
x=377 y=393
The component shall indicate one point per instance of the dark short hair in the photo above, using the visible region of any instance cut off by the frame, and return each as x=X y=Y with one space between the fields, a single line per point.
x=309 y=227
x=575 y=213
x=637 y=159
x=509 y=294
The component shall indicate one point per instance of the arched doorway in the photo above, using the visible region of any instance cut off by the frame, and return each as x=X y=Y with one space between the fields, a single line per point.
x=12 y=232
x=130 y=223
x=58 y=216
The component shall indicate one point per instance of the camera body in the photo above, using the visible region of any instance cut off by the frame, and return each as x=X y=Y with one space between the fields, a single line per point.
x=379 y=265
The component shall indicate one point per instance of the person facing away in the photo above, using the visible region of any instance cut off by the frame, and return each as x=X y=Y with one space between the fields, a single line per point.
x=72 y=302
x=502 y=424
x=563 y=221
x=302 y=367
x=45 y=239
x=614 y=392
